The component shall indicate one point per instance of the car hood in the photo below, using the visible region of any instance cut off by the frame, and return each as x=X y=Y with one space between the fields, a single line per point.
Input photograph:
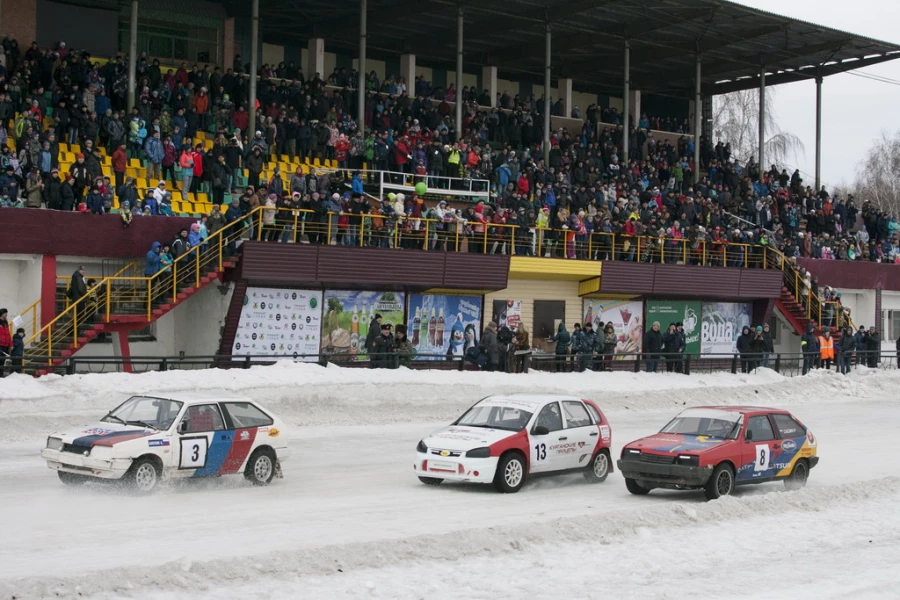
x=676 y=442
x=104 y=434
x=461 y=438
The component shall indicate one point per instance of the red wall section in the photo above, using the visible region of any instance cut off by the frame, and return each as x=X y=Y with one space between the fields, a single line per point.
x=35 y=231
x=854 y=275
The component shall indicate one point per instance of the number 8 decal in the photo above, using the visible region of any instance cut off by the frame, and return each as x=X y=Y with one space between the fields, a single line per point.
x=193 y=452
x=762 y=458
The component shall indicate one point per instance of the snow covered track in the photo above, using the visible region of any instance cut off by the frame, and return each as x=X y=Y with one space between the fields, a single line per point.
x=350 y=520
x=618 y=527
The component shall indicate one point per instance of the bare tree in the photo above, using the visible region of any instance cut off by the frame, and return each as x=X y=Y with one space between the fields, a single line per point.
x=878 y=174
x=736 y=121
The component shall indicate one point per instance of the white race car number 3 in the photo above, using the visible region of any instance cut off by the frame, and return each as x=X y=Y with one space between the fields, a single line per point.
x=193 y=453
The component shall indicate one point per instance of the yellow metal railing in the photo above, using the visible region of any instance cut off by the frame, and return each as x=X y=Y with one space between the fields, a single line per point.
x=130 y=293
x=821 y=312
x=31 y=319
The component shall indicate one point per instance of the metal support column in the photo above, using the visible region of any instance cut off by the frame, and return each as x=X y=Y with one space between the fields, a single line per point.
x=132 y=57
x=459 y=71
x=254 y=67
x=546 y=145
x=818 y=133
x=698 y=118
x=361 y=85
x=626 y=105
x=762 y=120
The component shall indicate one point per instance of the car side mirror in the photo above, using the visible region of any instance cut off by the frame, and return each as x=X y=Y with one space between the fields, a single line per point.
x=540 y=430
x=749 y=435
x=182 y=427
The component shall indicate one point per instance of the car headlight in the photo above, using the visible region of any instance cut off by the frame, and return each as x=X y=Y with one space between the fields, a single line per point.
x=54 y=443
x=689 y=460
x=630 y=453
x=479 y=453
x=421 y=447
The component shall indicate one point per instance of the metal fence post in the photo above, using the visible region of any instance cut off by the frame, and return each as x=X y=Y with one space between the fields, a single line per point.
x=778 y=363
x=462 y=363
x=323 y=360
x=247 y=363
x=637 y=363
x=734 y=364
x=164 y=365
x=687 y=364
x=70 y=366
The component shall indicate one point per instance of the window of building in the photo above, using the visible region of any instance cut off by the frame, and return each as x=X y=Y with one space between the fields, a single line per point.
x=891 y=325
x=171 y=40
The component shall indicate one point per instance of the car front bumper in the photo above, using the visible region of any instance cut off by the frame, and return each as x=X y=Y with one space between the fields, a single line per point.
x=671 y=476
x=102 y=468
x=457 y=468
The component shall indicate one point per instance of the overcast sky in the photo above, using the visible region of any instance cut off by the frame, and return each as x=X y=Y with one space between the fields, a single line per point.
x=855 y=110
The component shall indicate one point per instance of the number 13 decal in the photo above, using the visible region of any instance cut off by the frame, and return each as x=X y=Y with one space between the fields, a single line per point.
x=193 y=452
x=762 y=458
x=540 y=452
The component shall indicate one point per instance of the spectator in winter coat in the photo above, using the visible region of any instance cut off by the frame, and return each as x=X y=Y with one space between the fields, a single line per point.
x=119 y=164
x=652 y=346
x=745 y=348
x=491 y=346
x=95 y=201
x=847 y=347
x=5 y=338
x=18 y=350
x=809 y=345
x=153 y=150
x=562 y=339
x=152 y=264
x=383 y=349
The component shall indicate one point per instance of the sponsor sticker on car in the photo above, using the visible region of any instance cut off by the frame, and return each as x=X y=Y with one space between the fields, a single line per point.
x=157 y=443
x=789 y=445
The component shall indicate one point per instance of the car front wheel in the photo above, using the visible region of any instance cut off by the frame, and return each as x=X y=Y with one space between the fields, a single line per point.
x=510 y=475
x=798 y=477
x=598 y=469
x=143 y=475
x=635 y=488
x=721 y=483
x=431 y=480
x=260 y=468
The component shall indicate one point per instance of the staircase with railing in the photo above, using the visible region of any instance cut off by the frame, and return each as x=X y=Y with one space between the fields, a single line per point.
x=128 y=297
x=801 y=307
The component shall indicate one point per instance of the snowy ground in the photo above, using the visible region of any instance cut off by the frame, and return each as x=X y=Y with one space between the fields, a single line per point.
x=350 y=519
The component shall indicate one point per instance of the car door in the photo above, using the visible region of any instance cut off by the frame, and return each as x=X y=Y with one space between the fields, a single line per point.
x=759 y=444
x=792 y=437
x=581 y=433
x=249 y=425
x=203 y=441
x=543 y=456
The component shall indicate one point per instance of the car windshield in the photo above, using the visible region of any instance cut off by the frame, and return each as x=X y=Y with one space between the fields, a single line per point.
x=157 y=413
x=494 y=416
x=711 y=423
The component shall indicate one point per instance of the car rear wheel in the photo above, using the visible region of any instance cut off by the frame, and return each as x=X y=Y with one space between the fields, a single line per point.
x=260 y=469
x=798 y=477
x=510 y=475
x=72 y=479
x=598 y=469
x=721 y=483
x=143 y=476
x=635 y=488
x=431 y=480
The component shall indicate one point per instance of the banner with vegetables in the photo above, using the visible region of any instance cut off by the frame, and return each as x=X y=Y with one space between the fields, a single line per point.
x=348 y=314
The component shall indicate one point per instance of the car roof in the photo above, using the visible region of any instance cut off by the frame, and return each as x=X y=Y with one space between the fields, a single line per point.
x=190 y=398
x=744 y=409
x=527 y=399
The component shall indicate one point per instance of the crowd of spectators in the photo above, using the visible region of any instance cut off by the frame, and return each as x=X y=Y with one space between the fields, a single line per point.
x=586 y=188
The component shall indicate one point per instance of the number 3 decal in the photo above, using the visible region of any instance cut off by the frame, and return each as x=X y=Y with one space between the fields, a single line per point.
x=540 y=452
x=193 y=452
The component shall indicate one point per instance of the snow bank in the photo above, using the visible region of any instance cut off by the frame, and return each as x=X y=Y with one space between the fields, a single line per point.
x=668 y=522
x=306 y=394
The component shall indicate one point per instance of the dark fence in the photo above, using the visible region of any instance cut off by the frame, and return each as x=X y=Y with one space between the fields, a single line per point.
x=687 y=364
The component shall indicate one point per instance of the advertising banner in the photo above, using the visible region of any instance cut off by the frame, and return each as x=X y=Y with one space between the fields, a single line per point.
x=626 y=316
x=445 y=325
x=507 y=312
x=678 y=311
x=348 y=314
x=279 y=322
x=722 y=324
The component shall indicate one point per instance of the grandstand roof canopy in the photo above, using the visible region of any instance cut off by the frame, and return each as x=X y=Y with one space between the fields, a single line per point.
x=588 y=39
